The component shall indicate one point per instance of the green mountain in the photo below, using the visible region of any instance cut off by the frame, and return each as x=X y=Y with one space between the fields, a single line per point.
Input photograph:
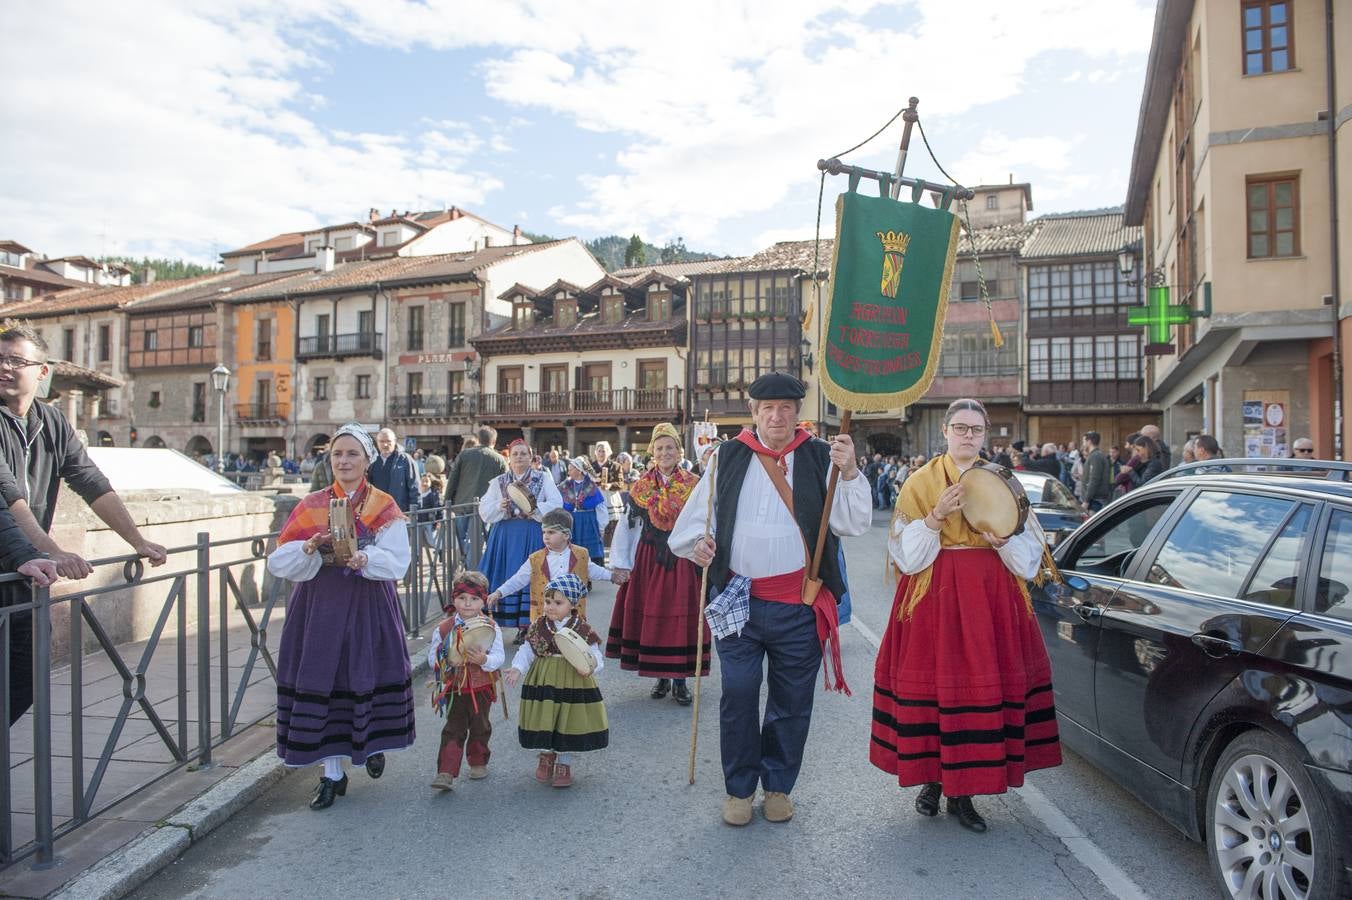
x=616 y=252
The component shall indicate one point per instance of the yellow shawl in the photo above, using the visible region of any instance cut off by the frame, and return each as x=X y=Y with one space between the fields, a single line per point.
x=919 y=495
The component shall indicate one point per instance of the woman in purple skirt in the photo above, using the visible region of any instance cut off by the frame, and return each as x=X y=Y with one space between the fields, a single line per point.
x=344 y=687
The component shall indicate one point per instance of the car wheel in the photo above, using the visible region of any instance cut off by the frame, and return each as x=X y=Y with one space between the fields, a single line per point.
x=1268 y=834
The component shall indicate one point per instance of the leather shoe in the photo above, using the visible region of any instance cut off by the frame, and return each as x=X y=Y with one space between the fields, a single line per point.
x=967 y=815
x=662 y=688
x=681 y=693
x=327 y=790
x=737 y=810
x=375 y=765
x=544 y=768
x=563 y=775
x=927 y=801
x=778 y=807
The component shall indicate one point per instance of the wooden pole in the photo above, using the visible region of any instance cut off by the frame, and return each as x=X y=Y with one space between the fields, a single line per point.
x=699 y=623
x=826 y=506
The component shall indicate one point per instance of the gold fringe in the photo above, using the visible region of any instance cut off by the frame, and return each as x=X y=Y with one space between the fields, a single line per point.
x=996 y=336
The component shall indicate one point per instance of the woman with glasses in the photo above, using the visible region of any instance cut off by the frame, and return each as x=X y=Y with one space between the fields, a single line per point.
x=963 y=688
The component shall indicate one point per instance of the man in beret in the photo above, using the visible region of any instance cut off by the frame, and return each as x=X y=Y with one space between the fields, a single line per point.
x=758 y=597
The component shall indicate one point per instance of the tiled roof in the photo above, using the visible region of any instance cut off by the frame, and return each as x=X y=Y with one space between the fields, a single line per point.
x=91 y=299
x=14 y=247
x=675 y=270
x=291 y=244
x=1092 y=233
x=204 y=294
x=632 y=324
x=84 y=377
x=273 y=243
x=997 y=238
x=82 y=261
x=40 y=276
x=792 y=256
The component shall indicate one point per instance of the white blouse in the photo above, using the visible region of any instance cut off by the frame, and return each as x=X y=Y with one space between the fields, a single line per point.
x=766 y=540
x=559 y=563
x=387 y=557
x=490 y=504
x=526 y=655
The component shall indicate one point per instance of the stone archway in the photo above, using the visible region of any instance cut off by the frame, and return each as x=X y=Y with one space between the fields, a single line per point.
x=105 y=439
x=198 y=447
x=318 y=440
x=155 y=442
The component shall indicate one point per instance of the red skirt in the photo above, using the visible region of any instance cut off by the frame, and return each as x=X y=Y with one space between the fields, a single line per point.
x=652 y=628
x=963 y=689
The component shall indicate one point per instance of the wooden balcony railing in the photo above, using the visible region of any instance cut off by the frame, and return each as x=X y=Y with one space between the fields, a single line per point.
x=615 y=403
x=428 y=406
x=359 y=343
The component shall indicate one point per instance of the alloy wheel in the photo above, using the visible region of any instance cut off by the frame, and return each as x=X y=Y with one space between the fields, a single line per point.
x=1263 y=840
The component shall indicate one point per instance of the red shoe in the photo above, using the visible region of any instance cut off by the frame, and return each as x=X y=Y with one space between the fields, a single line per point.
x=544 y=770
x=563 y=776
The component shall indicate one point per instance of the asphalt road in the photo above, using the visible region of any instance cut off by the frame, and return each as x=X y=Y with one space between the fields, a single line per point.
x=631 y=826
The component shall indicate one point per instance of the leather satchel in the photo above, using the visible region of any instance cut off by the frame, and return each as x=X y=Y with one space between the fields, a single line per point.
x=811 y=586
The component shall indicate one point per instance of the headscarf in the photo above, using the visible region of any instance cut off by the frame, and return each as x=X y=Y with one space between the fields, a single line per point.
x=558 y=520
x=354 y=430
x=569 y=585
x=580 y=463
x=666 y=429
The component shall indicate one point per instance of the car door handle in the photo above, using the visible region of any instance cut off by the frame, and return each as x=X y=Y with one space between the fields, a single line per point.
x=1216 y=646
x=1087 y=611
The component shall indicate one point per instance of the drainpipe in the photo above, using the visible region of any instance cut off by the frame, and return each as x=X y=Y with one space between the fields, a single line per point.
x=1333 y=232
x=384 y=420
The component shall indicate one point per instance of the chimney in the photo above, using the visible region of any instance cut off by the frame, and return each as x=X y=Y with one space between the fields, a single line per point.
x=1011 y=177
x=373 y=214
x=455 y=213
x=147 y=275
x=516 y=234
x=324 y=259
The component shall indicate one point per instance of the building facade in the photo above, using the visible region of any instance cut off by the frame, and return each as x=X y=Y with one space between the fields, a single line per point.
x=1240 y=125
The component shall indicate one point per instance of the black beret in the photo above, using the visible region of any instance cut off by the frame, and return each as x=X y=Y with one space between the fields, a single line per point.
x=1018 y=445
x=777 y=386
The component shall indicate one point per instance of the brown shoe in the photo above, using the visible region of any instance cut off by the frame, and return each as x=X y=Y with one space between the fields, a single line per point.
x=544 y=770
x=778 y=807
x=477 y=772
x=563 y=776
x=737 y=810
x=444 y=781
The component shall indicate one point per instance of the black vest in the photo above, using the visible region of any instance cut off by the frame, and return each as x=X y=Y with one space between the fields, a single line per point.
x=810 y=464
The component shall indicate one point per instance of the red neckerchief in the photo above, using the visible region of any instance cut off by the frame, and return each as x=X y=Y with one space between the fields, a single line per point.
x=749 y=438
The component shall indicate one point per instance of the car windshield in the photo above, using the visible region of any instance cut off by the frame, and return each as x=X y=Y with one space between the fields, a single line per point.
x=1045 y=491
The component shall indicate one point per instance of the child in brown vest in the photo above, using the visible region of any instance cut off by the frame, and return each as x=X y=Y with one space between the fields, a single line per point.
x=559 y=556
x=464 y=691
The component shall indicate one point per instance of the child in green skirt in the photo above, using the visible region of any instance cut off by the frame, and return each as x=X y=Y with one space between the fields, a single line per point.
x=561 y=707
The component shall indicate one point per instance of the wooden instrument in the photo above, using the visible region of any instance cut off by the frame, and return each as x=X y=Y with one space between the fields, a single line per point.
x=522 y=498
x=476 y=633
x=993 y=500
x=343 y=528
x=573 y=647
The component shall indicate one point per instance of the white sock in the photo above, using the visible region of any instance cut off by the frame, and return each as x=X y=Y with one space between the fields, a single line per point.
x=333 y=768
x=563 y=759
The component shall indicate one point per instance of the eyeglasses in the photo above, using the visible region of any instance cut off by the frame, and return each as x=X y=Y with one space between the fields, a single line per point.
x=963 y=430
x=17 y=362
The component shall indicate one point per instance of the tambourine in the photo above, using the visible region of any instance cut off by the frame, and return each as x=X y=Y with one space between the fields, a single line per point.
x=573 y=647
x=522 y=498
x=343 y=528
x=993 y=500
x=476 y=633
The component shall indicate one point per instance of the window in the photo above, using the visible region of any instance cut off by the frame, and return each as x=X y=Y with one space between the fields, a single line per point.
x=366 y=321
x=1039 y=290
x=612 y=309
x=971 y=352
x=1128 y=356
x=342 y=243
x=455 y=387
x=105 y=343
x=154 y=402
x=659 y=303
x=322 y=329
x=363 y=387
x=1060 y=290
x=1215 y=544
x=68 y=344
x=196 y=335
x=1108 y=549
x=970 y=290
x=264 y=339
x=415 y=387
x=1335 y=572
x=321 y=387
x=1274 y=214
x=199 y=401
x=565 y=313
x=523 y=315
x=415 y=327
x=1038 y=369
x=312 y=245
x=1061 y=359
x=1084 y=358
x=456 y=313
x=992 y=201
x=1277 y=579
x=1267 y=36
x=389 y=238
x=1105 y=357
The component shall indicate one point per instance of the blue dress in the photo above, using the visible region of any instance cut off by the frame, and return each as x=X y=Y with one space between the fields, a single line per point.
x=510 y=542
x=581 y=499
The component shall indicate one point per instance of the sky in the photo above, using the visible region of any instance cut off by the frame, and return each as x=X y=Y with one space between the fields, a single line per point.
x=191 y=127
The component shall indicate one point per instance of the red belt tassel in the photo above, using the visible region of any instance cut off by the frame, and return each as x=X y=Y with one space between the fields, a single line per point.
x=788 y=588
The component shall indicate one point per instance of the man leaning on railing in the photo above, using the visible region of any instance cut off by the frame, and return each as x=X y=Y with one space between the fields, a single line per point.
x=39 y=444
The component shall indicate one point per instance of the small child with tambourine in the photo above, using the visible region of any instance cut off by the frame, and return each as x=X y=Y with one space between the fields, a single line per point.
x=561 y=707
x=465 y=655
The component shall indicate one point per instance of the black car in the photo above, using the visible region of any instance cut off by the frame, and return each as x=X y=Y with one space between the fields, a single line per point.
x=1201 y=649
x=1056 y=509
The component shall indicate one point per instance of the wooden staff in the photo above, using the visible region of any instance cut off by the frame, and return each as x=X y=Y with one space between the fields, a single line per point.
x=699 y=623
x=502 y=692
x=826 y=505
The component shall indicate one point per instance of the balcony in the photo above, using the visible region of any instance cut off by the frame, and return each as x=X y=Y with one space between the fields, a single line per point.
x=428 y=407
x=649 y=404
x=360 y=343
x=259 y=413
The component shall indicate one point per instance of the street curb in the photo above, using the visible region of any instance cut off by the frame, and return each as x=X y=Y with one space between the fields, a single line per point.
x=126 y=869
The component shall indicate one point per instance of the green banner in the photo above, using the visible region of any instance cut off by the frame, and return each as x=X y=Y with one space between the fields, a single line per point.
x=883 y=324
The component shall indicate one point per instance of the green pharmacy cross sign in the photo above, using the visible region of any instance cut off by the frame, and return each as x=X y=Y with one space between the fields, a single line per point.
x=1159 y=316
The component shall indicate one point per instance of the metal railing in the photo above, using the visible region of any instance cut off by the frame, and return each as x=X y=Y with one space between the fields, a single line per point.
x=659 y=402
x=357 y=343
x=259 y=411
x=429 y=406
x=184 y=685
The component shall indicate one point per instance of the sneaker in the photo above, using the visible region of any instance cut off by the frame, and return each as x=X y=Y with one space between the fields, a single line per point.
x=737 y=810
x=444 y=781
x=778 y=807
x=563 y=775
x=477 y=772
x=544 y=770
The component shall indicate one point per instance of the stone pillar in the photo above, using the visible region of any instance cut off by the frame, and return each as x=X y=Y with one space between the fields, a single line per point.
x=570 y=438
x=528 y=433
x=71 y=402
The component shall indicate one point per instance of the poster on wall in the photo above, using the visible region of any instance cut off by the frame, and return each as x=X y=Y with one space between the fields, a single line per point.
x=1265 y=423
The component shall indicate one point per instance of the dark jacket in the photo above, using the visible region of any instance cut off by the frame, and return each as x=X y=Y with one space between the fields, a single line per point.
x=396 y=475
x=15 y=549
x=1097 y=481
x=1142 y=474
x=45 y=448
x=471 y=473
x=1048 y=465
x=322 y=476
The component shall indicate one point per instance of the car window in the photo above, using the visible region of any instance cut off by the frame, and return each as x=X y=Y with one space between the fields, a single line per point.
x=1277 y=580
x=1215 y=544
x=1121 y=532
x=1056 y=494
x=1335 y=573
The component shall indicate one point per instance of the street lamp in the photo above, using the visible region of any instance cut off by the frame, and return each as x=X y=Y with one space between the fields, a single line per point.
x=220 y=380
x=1126 y=264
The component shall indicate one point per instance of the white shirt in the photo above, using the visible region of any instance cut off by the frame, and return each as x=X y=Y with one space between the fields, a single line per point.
x=559 y=563
x=766 y=540
x=496 y=654
x=387 y=557
x=526 y=655
x=490 y=504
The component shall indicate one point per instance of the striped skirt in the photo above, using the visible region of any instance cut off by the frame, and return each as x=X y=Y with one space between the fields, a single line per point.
x=344 y=685
x=653 y=625
x=560 y=709
x=963 y=690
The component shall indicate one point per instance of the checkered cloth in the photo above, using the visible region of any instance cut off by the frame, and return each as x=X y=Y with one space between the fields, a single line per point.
x=729 y=612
